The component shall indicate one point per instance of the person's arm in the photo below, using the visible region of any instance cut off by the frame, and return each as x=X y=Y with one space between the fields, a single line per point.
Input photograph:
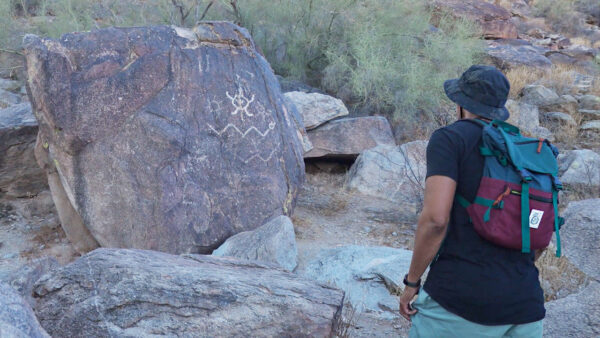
x=431 y=230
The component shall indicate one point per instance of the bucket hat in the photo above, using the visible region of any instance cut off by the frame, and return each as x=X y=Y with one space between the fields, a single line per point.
x=482 y=90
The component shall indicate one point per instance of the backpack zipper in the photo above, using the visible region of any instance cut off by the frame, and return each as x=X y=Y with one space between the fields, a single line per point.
x=532 y=197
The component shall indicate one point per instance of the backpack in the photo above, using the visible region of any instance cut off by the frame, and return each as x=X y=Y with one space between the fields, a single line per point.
x=516 y=205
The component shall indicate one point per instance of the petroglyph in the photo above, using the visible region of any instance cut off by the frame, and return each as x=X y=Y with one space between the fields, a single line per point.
x=241 y=103
x=259 y=156
x=243 y=134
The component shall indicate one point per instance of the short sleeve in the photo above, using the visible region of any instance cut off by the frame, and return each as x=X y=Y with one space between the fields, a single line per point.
x=443 y=155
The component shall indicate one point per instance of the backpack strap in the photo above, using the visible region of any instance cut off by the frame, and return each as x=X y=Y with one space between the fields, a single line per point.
x=525 y=239
x=556 y=186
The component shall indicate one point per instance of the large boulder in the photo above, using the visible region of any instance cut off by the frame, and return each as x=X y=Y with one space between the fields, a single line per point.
x=576 y=316
x=581 y=234
x=20 y=175
x=8 y=99
x=590 y=132
x=507 y=56
x=126 y=292
x=589 y=102
x=580 y=167
x=162 y=137
x=348 y=137
x=316 y=108
x=395 y=173
x=538 y=95
x=23 y=278
x=527 y=118
x=494 y=21
x=273 y=242
x=368 y=275
x=16 y=317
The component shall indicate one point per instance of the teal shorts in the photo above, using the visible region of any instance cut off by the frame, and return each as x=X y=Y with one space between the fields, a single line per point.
x=432 y=320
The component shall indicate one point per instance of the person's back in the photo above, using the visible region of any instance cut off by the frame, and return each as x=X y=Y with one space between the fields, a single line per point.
x=474 y=288
x=478 y=280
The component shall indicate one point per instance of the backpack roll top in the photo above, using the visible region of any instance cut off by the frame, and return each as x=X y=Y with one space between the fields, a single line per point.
x=517 y=200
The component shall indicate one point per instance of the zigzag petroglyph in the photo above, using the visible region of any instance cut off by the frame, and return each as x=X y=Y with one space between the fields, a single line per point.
x=260 y=157
x=243 y=134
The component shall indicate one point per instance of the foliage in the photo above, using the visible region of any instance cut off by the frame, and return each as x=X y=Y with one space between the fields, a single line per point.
x=561 y=15
x=381 y=56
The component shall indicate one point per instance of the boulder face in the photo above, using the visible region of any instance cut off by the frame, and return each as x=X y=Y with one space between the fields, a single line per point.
x=273 y=242
x=580 y=235
x=20 y=175
x=16 y=317
x=125 y=293
x=576 y=316
x=392 y=173
x=161 y=137
x=317 y=108
x=348 y=137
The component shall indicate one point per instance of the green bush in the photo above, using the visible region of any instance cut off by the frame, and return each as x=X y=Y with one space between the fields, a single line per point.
x=561 y=15
x=382 y=56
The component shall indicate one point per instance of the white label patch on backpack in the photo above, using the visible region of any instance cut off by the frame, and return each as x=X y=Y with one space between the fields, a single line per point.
x=535 y=218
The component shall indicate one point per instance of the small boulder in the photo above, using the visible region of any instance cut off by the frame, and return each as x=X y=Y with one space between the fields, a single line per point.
x=316 y=108
x=16 y=317
x=524 y=115
x=10 y=85
x=23 y=278
x=589 y=115
x=581 y=234
x=556 y=121
x=506 y=56
x=127 y=292
x=368 y=275
x=590 y=132
x=395 y=173
x=348 y=137
x=538 y=95
x=577 y=315
x=273 y=242
x=8 y=99
x=580 y=167
x=589 y=102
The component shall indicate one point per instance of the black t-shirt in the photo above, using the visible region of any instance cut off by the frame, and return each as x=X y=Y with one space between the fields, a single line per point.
x=473 y=278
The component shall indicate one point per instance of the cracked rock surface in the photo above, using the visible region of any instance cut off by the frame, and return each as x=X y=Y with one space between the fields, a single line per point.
x=125 y=292
x=161 y=137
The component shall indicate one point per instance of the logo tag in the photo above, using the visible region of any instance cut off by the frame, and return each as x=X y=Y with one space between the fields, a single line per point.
x=535 y=218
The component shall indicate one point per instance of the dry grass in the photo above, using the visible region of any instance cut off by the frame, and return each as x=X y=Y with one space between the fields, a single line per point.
x=584 y=41
x=558 y=276
x=559 y=78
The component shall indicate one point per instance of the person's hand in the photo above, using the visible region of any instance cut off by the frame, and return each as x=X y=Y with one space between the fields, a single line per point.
x=407 y=297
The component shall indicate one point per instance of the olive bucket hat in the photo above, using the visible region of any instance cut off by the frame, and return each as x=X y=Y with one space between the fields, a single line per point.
x=482 y=90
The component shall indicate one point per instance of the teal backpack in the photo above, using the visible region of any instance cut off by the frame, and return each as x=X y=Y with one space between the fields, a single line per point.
x=517 y=200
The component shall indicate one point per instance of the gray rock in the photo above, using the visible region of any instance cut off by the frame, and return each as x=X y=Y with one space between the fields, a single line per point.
x=556 y=120
x=162 y=137
x=581 y=234
x=8 y=99
x=316 y=108
x=565 y=103
x=507 y=56
x=580 y=167
x=273 y=242
x=538 y=95
x=23 y=278
x=20 y=175
x=16 y=317
x=348 y=137
x=577 y=315
x=366 y=274
x=523 y=115
x=589 y=115
x=125 y=292
x=590 y=132
x=589 y=102
x=395 y=173
x=298 y=124
x=10 y=85
x=291 y=85
x=581 y=53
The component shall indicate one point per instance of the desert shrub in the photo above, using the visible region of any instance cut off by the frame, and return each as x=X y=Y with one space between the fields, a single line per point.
x=559 y=77
x=591 y=8
x=381 y=56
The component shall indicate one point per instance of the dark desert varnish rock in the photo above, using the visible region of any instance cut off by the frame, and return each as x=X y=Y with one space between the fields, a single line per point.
x=161 y=137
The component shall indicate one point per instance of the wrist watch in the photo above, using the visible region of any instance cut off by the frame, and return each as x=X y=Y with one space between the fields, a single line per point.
x=417 y=284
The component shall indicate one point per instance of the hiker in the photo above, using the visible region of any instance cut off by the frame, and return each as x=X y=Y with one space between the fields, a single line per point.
x=476 y=286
